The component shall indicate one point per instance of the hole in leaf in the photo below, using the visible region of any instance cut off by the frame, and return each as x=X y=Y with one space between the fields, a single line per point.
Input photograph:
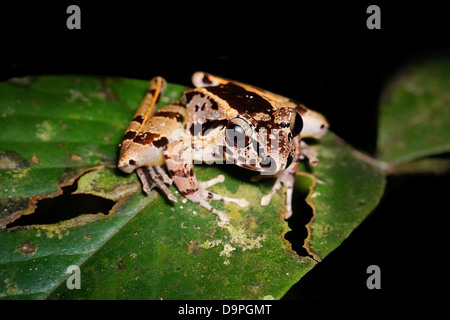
x=64 y=207
x=302 y=214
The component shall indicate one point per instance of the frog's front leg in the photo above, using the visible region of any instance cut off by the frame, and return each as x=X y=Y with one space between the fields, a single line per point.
x=152 y=177
x=179 y=162
x=287 y=176
x=308 y=152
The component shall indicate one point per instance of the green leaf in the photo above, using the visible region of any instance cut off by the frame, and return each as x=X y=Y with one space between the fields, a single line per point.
x=348 y=186
x=61 y=142
x=414 y=119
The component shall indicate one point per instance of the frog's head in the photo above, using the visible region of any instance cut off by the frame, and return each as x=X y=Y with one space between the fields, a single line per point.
x=263 y=142
x=315 y=124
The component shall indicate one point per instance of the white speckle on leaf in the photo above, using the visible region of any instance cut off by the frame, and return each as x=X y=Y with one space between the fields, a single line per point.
x=227 y=249
x=76 y=95
x=44 y=131
x=236 y=238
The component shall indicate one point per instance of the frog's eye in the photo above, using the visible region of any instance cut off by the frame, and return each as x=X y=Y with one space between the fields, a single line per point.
x=239 y=132
x=296 y=123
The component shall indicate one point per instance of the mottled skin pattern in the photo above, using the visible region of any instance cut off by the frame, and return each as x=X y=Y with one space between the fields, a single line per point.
x=219 y=121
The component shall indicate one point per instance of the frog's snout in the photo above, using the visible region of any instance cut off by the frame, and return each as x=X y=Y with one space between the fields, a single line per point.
x=127 y=166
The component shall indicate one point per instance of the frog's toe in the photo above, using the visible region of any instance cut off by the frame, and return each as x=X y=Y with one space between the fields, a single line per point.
x=152 y=177
x=214 y=196
x=205 y=204
x=308 y=152
x=265 y=200
x=287 y=179
x=202 y=197
x=222 y=215
x=206 y=184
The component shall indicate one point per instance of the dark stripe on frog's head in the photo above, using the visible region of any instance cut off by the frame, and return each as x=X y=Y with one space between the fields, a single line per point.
x=145 y=138
x=240 y=99
x=161 y=142
x=191 y=93
x=188 y=96
x=201 y=128
x=170 y=114
x=301 y=109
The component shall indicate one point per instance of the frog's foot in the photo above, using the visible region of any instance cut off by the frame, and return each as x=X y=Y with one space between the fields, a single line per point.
x=308 y=152
x=287 y=177
x=202 y=196
x=283 y=178
x=182 y=171
x=213 y=196
x=152 y=177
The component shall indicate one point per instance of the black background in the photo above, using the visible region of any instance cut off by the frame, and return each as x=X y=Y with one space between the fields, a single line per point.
x=321 y=54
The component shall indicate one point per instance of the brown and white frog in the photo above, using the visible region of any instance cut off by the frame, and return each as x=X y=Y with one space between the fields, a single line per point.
x=219 y=121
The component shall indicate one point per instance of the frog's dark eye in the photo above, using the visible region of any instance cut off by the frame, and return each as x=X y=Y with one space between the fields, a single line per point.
x=296 y=123
x=239 y=132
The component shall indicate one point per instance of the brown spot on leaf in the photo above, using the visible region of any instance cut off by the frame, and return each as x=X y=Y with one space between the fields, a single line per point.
x=35 y=159
x=121 y=264
x=76 y=158
x=193 y=247
x=27 y=248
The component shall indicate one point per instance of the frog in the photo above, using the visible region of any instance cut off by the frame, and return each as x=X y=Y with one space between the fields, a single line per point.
x=218 y=121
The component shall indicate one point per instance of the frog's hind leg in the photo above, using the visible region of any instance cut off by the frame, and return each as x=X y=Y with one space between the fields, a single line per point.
x=146 y=109
x=152 y=177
